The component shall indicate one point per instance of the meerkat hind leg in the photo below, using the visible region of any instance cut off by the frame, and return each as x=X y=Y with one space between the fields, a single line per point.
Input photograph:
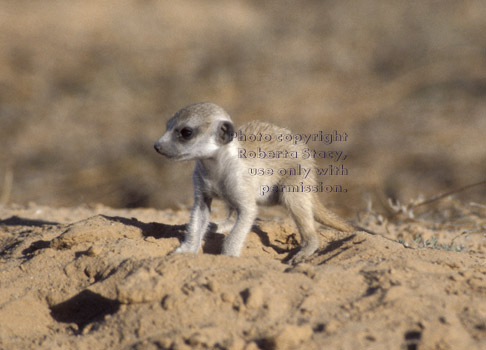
x=226 y=224
x=300 y=208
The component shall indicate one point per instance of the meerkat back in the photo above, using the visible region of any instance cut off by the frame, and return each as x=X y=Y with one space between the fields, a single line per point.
x=270 y=160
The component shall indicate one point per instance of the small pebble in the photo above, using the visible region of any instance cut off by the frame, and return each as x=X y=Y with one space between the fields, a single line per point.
x=94 y=250
x=292 y=336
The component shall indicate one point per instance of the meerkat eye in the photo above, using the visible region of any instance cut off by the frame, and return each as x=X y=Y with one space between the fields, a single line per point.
x=186 y=133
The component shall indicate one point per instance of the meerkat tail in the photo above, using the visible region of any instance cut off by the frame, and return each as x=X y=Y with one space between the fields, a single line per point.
x=326 y=217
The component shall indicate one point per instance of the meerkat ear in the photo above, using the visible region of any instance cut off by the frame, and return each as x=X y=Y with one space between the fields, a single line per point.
x=225 y=132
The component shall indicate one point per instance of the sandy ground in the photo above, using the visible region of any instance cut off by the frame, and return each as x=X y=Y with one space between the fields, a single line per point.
x=86 y=88
x=102 y=278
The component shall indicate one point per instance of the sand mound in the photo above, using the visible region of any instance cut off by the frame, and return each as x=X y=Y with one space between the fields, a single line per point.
x=99 y=278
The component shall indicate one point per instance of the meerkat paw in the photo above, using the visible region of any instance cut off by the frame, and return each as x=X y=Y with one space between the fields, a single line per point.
x=230 y=248
x=302 y=255
x=230 y=252
x=186 y=248
x=298 y=258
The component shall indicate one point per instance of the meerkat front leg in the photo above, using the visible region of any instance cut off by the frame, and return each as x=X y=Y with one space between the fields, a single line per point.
x=234 y=241
x=198 y=225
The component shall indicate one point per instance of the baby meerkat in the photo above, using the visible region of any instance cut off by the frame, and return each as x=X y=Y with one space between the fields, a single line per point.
x=204 y=132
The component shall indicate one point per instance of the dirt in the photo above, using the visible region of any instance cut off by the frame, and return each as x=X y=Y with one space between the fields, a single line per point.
x=86 y=88
x=102 y=278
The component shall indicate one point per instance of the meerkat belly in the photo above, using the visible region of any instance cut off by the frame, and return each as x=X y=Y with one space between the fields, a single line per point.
x=215 y=190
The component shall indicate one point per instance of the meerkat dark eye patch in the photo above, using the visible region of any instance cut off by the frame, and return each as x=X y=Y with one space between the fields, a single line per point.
x=225 y=132
x=186 y=133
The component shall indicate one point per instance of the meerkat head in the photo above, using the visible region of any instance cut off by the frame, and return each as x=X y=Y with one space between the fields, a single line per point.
x=197 y=131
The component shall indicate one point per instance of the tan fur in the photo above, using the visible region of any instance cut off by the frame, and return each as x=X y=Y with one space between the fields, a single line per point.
x=222 y=171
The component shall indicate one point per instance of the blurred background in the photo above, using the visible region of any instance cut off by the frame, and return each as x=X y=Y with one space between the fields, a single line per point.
x=86 y=87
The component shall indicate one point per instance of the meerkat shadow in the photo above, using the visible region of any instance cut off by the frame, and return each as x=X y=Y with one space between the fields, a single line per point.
x=335 y=248
x=213 y=242
x=152 y=229
x=265 y=239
